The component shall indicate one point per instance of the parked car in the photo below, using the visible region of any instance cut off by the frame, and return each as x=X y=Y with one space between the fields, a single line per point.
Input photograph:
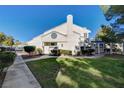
x=19 y=48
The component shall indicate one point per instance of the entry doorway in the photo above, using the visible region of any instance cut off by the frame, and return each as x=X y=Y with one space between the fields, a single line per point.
x=48 y=46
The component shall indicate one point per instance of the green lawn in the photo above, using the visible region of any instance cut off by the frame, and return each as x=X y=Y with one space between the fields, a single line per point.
x=107 y=72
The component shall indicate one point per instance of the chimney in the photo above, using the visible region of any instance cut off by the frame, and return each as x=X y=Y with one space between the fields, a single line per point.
x=70 y=27
x=70 y=37
x=70 y=19
x=69 y=24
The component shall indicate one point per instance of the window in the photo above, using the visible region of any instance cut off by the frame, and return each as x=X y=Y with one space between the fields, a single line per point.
x=46 y=44
x=85 y=35
x=53 y=35
x=50 y=43
x=53 y=44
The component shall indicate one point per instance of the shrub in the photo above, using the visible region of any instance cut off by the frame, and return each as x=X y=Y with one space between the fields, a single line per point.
x=39 y=51
x=29 y=49
x=66 y=52
x=84 y=52
x=88 y=51
x=6 y=58
x=55 y=52
x=78 y=53
x=107 y=50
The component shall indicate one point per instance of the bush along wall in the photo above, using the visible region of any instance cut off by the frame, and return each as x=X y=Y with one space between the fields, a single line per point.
x=66 y=52
x=55 y=52
x=59 y=52
x=87 y=52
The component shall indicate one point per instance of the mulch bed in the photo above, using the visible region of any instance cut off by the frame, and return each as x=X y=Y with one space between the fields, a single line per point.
x=31 y=56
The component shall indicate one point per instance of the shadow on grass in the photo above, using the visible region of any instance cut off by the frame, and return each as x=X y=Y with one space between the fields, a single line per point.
x=102 y=72
x=96 y=73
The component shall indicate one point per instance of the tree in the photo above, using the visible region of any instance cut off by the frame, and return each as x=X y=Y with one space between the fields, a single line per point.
x=17 y=42
x=115 y=12
x=107 y=35
x=9 y=41
x=105 y=8
x=2 y=37
x=115 y=15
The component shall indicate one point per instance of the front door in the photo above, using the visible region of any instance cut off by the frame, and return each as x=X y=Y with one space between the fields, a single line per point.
x=46 y=50
x=48 y=46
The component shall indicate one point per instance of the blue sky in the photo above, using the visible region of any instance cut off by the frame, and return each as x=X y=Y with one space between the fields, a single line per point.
x=26 y=22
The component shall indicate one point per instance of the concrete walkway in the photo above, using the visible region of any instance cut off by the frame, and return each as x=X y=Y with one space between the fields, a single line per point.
x=94 y=56
x=20 y=76
x=42 y=57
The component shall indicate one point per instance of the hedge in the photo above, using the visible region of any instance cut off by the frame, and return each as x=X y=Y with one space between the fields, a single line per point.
x=6 y=58
x=66 y=52
x=60 y=51
x=88 y=51
x=29 y=49
x=55 y=52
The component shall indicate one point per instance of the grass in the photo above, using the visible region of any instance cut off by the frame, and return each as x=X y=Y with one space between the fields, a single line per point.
x=104 y=72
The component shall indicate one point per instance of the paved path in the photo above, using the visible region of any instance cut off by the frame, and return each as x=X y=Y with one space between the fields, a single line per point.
x=19 y=76
x=42 y=57
x=94 y=56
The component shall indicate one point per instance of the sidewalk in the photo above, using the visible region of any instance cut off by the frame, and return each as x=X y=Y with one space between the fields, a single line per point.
x=42 y=57
x=63 y=56
x=94 y=56
x=20 y=76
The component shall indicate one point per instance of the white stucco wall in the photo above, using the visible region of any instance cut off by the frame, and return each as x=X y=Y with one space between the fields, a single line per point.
x=36 y=42
x=68 y=35
x=68 y=44
x=47 y=37
x=62 y=28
